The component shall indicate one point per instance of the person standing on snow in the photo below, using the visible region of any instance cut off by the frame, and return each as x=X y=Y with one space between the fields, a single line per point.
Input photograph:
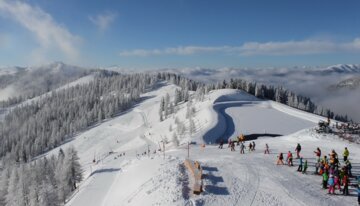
x=346 y=154
x=280 y=159
x=300 y=165
x=348 y=168
x=317 y=166
x=346 y=184
x=325 y=179
x=250 y=147
x=232 y=146
x=289 y=159
x=305 y=167
x=298 y=149
x=318 y=153
x=337 y=178
x=242 y=148
x=266 y=149
x=331 y=185
x=253 y=146
x=221 y=144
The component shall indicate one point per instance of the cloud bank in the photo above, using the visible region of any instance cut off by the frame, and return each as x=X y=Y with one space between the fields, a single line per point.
x=49 y=34
x=103 y=21
x=304 y=47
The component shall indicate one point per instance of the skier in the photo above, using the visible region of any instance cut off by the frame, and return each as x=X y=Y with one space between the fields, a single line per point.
x=318 y=153
x=305 y=167
x=324 y=160
x=300 y=165
x=348 y=168
x=337 y=178
x=346 y=154
x=289 y=159
x=331 y=185
x=317 y=166
x=280 y=159
x=298 y=149
x=250 y=147
x=242 y=148
x=266 y=149
x=345 y=182
x=232 y=145
x=253 y=146
x=325 y=179
x=221 y=144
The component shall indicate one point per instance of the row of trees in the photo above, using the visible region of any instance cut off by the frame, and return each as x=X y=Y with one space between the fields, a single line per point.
x=44 y=182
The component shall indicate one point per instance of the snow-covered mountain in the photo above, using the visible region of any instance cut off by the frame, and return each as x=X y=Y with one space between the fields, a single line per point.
x=229 y=177
x=351 y=83
x=33 y=81
x=342 y=69
x=120 y=157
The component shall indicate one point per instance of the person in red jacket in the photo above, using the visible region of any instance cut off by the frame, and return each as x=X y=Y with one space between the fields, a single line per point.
x=318 y=153
x=289 y=159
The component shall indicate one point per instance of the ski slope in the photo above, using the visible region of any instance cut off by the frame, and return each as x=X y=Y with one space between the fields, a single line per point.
x=229 y=178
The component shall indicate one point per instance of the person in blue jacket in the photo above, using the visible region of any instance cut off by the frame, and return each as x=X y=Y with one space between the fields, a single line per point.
x=300 y=168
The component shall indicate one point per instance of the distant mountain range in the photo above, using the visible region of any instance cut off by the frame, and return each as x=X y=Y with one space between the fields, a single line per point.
x=351 y=83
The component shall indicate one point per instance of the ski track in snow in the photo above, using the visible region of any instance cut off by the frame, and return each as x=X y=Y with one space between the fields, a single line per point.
x=230 y=178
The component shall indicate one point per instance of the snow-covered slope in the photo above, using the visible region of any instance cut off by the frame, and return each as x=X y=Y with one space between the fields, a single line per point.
x=229 y=178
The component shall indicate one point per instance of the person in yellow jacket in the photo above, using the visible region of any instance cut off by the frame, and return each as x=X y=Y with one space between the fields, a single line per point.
x=346 y=154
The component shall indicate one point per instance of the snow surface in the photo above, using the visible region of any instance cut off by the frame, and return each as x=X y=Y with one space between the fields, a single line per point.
x=229 y=178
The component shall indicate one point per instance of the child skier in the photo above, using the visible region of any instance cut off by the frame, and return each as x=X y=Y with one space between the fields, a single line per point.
x=317 y=166
x=266 y=149
x=289 y=159
x=300 y=165
x=325 y=179
x=305 y=167
x=331 y=185
x=337 y=178
x=348 y=168
x=242 y=148
x=221 y=144
x=250 y=147
x=318 y=153
x=280 y=159
x=232 y=146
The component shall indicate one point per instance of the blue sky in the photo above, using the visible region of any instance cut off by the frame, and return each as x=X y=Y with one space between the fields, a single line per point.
x=180 y=33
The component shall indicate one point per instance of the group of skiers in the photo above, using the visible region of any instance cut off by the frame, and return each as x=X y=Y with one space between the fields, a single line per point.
x=240 y=143
x=334 y=175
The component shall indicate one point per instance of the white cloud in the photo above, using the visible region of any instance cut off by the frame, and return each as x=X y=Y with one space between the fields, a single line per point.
x=48 y=33
x=103 y=21
x=304 y=47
